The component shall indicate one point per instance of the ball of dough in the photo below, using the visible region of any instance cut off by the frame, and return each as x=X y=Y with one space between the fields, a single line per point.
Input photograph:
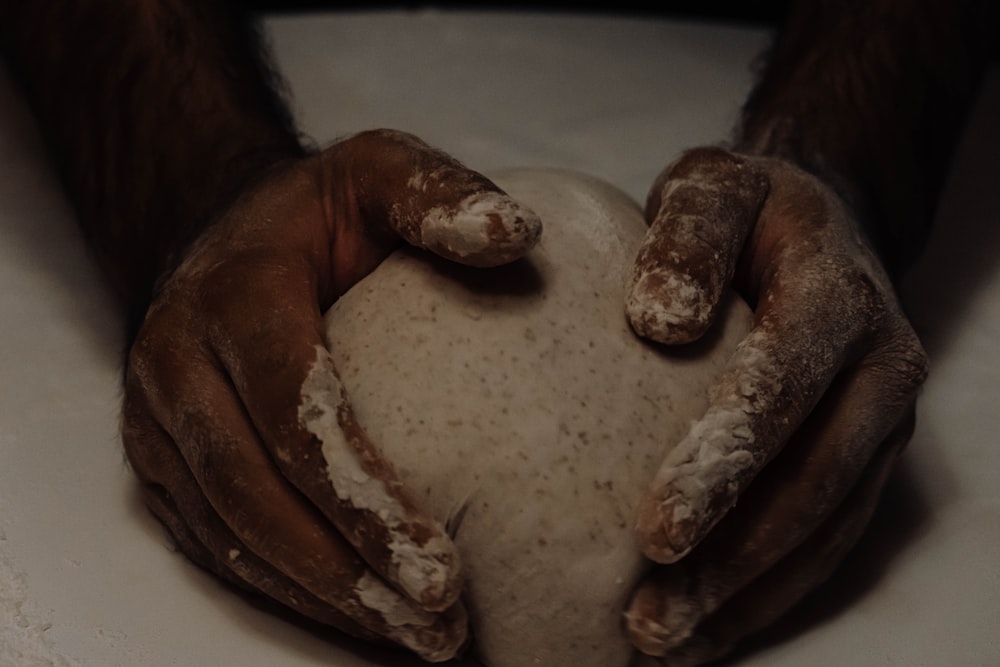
x=528 y=416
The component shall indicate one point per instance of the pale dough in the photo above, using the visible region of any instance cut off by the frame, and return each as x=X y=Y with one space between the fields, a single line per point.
x=528 y=416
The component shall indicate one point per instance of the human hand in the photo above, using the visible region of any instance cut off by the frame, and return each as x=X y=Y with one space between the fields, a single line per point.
x=235 y=421
x=771 y=488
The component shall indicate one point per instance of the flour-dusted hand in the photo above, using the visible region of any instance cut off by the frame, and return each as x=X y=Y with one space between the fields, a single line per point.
x=802 y=428
x=825 y=200
x=226 y=236
x=235 y=419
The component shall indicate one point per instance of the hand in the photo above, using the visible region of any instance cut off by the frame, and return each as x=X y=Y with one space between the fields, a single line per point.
x=234 y=418
x=774 y=484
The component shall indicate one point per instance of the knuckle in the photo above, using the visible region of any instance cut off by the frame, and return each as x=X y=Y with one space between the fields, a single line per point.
x=704 y=158
x=150 y=356
x=710 y=172
x=142 y=441
x=909 y=360
x=140 y=364
x=899 y=352
x=132 y=422
x=388 y=151
x=850 y=294
x=846 y=282
x=383 y=138
x=902 y=360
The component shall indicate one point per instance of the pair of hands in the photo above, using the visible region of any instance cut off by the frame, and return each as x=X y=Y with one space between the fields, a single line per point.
x=803 y=428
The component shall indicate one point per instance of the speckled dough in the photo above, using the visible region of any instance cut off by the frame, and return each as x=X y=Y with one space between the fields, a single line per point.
x=528 y=416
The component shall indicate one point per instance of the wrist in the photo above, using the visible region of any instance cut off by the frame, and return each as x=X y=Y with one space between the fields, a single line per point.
x=158 y=113
x=871 y=96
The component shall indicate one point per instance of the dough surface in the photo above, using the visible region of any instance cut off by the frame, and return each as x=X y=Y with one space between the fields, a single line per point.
x=526 y=414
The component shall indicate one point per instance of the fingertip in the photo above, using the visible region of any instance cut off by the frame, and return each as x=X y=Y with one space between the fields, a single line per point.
x=484 y=229
x=668 y=307
x=447 y=640
x=696 y=485
x=701 y=210
x=646 y=634
x=664 y=529
x=435 y=637
x=662 y=613
x=431 y=574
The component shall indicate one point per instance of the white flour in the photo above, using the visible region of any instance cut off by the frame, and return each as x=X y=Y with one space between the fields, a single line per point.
x=23 y=642
x=418 y=568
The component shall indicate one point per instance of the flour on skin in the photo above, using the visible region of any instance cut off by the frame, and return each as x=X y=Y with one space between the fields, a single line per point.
x=526 y=413
x=421 y=569
x=485 y=229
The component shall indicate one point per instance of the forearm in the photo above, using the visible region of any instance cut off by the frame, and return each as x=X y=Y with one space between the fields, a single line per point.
x=873 y=95
x=157 y=112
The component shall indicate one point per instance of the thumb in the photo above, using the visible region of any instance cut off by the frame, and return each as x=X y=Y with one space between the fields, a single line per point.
x=701 y=210
x=434 y=202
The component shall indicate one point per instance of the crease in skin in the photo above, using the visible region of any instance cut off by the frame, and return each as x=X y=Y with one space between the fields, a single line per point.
x=484 y=229
x=422 y=571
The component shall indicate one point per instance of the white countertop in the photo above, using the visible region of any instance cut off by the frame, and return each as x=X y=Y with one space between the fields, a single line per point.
x=88 y=578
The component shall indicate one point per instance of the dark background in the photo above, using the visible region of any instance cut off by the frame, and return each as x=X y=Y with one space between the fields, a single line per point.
x=762 y=12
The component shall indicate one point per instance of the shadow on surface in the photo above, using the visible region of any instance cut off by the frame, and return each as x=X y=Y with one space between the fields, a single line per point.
x=900 y=519
x=960 y=262
x=964 y=248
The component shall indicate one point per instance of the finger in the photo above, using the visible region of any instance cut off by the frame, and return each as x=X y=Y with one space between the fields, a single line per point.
x=267 y=333
x=701 y=208
x=817 y=310
x=234 y=500
x=777 y=591
x=285 y=379
x=434 y=202
x=794 y=495
x=173 y=496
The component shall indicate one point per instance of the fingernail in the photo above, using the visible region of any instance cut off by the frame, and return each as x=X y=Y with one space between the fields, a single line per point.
x=665 y=528
x=485 y=229
x=646 y=634
x=662 y=617
x=430 y=573
x=667 y=307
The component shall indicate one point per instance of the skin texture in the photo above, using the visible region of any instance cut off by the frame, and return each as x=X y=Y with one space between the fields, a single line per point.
x=824 y=198
x=214 y=423
x=228 y=245
x=823 y=385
